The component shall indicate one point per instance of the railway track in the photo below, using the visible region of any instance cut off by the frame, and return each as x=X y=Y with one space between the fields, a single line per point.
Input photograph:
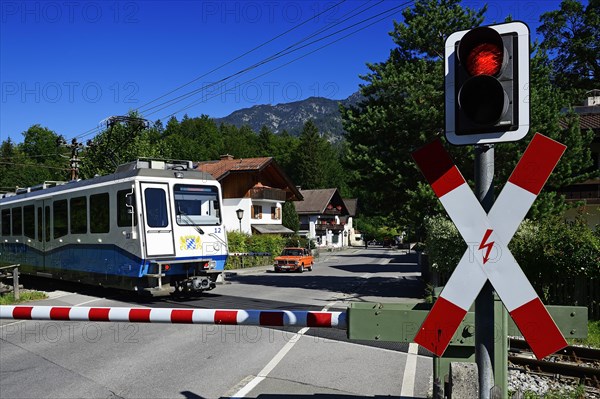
x=573 y=365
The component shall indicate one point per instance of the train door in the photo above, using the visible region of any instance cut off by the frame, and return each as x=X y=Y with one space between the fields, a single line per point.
x=42 y=239
x=158 y=226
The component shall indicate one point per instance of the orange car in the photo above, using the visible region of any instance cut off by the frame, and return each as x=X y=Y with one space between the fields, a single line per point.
x=294 y=259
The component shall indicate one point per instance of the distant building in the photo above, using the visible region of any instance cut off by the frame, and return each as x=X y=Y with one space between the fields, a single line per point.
x=324 y=217
x=258 y=188
x=588 y=192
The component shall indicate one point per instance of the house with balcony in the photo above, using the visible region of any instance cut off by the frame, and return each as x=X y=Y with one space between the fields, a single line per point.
x=587 y=193
x=354 y=238
x=324 y=217
x=254 y=191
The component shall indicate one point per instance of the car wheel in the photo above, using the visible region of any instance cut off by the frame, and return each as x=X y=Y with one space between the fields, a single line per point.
x=301 y=269
x=310 y=267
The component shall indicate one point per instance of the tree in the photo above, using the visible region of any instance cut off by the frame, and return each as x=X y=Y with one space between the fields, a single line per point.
x=402 y=110
x=285 y=148
x=290 y=218
x=571 y=39
x=119 y=143
x=311 y=158
x=241 y=143
x=266 y=142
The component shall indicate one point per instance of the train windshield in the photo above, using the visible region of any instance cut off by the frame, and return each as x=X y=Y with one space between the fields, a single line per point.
x=197 y=205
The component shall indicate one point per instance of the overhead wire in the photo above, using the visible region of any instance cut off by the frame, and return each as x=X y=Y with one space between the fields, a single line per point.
x=244 y=54
x=279 y=54
x=289 y=50
x=388 y=13
x=97 y=129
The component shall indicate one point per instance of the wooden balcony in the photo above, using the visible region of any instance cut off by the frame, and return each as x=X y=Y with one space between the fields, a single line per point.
x=333 y=227
x=264 y=193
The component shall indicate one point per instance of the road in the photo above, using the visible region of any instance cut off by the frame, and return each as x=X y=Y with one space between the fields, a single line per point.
x=125 y=360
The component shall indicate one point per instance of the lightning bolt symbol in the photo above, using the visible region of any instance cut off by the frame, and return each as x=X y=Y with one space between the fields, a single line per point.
x=488 y=246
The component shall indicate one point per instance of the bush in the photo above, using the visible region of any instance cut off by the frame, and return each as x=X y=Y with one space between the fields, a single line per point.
x=301 y=242
x=443 y=244
x=271 y=244
x=545 y=249
x=552 y=249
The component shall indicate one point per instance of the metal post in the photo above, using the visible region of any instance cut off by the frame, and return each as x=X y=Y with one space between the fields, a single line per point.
x=16 y=291
x=484 y=304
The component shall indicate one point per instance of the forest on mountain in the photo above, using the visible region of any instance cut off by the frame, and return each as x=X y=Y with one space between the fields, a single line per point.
x=402 y=109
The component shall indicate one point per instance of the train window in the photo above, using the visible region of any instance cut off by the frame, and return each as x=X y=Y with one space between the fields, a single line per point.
x=156 y=207
x=60 y=217
x=123 y=215
x=29 y=221
x=78 y=215
x=47 y=222
x=17 y=221
x=5 y=222
x=99 y=213
x=39 y=224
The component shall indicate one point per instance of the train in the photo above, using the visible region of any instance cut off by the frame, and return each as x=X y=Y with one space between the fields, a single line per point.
x=153 y=226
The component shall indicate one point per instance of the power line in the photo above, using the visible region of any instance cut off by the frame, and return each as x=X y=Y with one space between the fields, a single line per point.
x=288 y=50
x=243 y=55
x=280 y=54
x=289 y=62
x=270 y=58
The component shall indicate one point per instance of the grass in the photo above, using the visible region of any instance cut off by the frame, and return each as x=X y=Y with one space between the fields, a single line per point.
x=593 y=338
x=25 y=296
x=576 y=393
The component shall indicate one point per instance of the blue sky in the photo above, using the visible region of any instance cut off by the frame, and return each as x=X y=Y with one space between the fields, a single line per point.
x=69 y=65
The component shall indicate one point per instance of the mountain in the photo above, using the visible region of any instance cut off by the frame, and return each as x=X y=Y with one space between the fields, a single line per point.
x=292 y=116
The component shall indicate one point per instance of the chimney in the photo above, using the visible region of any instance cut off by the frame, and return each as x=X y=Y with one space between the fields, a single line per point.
x=226 y=157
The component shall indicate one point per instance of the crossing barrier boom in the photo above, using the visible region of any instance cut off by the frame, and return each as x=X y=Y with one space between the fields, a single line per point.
x=265 y=318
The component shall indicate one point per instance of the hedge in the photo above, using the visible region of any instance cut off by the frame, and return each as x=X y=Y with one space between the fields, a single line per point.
x=547 y=249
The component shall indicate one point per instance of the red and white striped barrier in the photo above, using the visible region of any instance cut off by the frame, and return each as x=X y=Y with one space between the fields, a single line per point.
x=490 y=232
x=265 y=318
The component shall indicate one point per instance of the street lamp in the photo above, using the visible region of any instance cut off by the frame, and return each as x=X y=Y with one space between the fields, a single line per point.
x=240 y=216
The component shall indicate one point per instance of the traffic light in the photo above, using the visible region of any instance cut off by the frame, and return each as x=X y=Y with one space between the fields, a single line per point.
x=487 y=84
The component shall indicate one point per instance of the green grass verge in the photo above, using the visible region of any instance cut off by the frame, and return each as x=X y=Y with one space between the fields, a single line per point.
x=575 y=393
x=593 y=338
x=25 y=296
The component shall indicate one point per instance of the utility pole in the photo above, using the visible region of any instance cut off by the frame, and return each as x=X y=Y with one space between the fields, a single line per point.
x=74 y=161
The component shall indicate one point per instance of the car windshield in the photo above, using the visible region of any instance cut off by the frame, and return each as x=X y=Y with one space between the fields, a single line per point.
x=292 y=252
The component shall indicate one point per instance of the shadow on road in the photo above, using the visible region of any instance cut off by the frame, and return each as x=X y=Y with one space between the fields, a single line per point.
x=191 y=395
x=382 y=280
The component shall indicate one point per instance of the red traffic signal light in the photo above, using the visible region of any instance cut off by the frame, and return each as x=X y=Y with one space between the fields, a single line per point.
x=487 y=84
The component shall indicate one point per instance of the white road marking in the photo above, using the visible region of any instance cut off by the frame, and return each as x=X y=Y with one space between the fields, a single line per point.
x=410 y=371
x=23 y=321
x=264 y=373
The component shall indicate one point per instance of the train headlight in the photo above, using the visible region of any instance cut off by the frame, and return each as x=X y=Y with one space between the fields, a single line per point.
x=212 y=264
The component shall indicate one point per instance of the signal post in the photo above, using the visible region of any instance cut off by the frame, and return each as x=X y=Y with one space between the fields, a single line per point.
x=487 y=93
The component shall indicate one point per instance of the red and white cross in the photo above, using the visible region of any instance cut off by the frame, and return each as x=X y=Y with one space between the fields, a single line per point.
x=490 y=233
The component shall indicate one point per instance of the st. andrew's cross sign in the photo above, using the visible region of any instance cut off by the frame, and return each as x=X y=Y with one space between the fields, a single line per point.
x=489 y=235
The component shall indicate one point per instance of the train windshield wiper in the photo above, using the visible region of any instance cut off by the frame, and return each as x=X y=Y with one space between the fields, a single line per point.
x=189 y=221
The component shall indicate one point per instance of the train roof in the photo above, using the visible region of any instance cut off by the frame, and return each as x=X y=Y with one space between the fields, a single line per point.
x=140 y=167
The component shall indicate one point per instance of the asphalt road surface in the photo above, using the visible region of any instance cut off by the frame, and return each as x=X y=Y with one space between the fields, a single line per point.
x=40 y=359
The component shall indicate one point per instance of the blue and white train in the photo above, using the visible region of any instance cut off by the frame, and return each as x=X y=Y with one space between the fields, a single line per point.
x=153 y=225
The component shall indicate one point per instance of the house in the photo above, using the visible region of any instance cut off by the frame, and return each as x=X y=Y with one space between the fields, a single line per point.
x=588 y=192
x=254 y=191
x=324 y=217
x=355 y=238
